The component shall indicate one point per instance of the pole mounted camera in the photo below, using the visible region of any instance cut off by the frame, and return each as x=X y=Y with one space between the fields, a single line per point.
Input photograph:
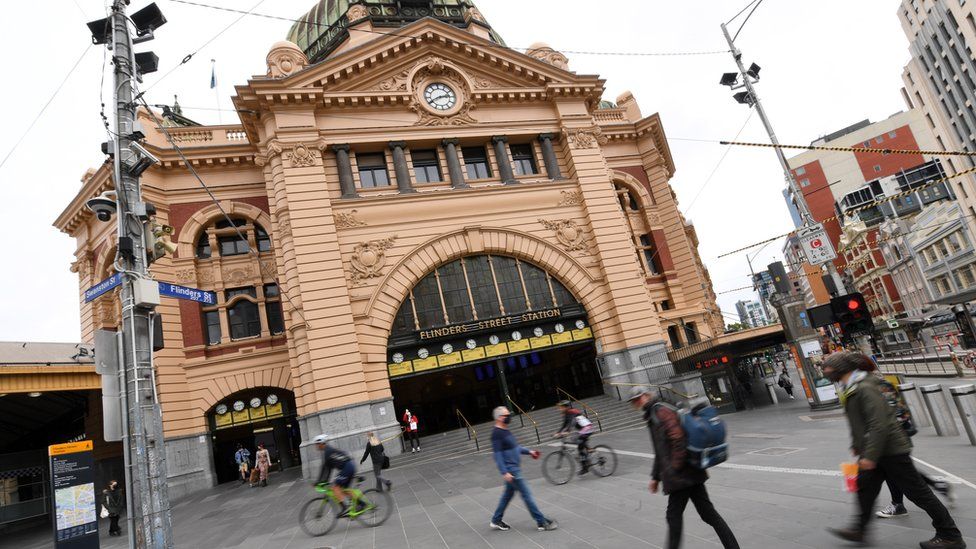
x=103 y=206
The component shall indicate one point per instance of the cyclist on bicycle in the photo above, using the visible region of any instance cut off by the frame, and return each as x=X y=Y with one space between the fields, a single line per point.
x=333 y=458
x=574 y=419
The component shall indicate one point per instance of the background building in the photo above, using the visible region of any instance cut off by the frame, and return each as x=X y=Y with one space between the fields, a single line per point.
x=415 y=219
x=751 y=313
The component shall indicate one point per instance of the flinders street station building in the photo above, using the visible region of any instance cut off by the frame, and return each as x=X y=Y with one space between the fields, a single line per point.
x=432 y=221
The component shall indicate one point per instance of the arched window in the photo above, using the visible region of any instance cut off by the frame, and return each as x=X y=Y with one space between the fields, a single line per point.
x=232 y=238
x=242 y=314
x=478 y=288
x=203 y=246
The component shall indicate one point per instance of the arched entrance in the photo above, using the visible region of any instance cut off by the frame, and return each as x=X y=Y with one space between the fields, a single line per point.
x=263 y=415
x=482 y=327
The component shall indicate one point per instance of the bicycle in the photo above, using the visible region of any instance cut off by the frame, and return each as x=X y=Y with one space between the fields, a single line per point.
x=559 y=466
x=319 y=515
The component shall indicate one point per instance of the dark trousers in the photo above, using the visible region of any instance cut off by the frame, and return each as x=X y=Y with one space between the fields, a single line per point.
x=113 y=524
x=414 y=441
x=897 y=496
x=377 y=472
x=678 y=500
x=902 y=473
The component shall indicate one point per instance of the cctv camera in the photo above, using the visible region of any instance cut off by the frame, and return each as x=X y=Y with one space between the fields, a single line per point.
x=136 y=159
x=103 y=205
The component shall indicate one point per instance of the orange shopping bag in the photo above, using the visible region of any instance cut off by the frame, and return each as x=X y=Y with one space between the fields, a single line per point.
x=849 y=470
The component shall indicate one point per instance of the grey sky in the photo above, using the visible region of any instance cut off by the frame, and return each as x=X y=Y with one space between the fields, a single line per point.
x=825 y=65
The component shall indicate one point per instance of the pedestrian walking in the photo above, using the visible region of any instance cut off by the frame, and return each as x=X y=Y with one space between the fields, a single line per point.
x=883 y=451
x=113 y=502
x=262 y=462
x=681 y=482
x=374 y=451
x=508 y=457
x=786 y=383
x=243 y=459
x=412 y=427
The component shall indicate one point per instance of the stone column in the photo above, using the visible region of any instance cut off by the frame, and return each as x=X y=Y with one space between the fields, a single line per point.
x=504 y=162
x=549 y=155
x=346 y=182
x=400 y=167
x=454 y=170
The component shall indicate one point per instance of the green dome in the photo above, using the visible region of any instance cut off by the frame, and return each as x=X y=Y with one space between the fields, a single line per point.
x=324 y=27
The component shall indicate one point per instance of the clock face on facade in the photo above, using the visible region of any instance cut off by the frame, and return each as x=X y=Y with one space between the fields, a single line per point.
x=272 y=399
x=423 y=353
x=239 y=405
x=397 y=357
x=255 y=402
x=221 y=409
x=580 y=325
x=516 y=335
x=447 y=348
x=537 y=332
x=470 y=344
x=440 y=97
x=493 y=339
x=560 y=328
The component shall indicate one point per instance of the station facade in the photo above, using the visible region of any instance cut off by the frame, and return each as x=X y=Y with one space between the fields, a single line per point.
x=418 y=219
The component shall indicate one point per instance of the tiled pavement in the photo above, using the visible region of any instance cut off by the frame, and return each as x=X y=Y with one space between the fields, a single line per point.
x=771 y=501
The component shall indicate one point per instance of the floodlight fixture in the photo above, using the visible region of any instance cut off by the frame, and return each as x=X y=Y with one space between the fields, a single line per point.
x=753 y=71
x=729 y=79
x=148 y=19
x=147 y=62
x=101 y=31
x=745 y=98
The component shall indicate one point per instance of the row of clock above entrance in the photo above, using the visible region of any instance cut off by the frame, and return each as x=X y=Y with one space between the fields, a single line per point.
x=240 y=405
x=493 y=339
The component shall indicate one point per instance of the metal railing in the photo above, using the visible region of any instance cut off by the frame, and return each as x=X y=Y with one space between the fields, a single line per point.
x=617 y=386
x=472 y=433
x=526 y=414
x=939 y=360
x=586 y=408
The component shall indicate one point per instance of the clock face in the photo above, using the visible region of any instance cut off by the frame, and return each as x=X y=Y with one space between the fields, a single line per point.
x=493 y=339
x=560 y=328
x=423 y=353
x=239 y=405
x=516 y=335
x=447 y=348
x=221 y=409
x=398 y=357
x=537 y=332
x=440 y=97
x=255 y=402
x=580 y=325
x=272 y=399
x=470 y=344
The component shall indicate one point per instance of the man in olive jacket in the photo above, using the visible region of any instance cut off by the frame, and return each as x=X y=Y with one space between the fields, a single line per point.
x=883 y=450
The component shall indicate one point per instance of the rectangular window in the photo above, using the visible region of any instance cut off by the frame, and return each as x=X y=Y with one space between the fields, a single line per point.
x=372 y=170
x=243 y=316
x=211 y=327
x=877 y=168
x=482 y=287
x=879 y=139
x=232 y=245
x=233 y=292
x=476 y=162
x=276 y=322
x=509 y=284
x=455 y=293
x=691 y=332
x=523 y=160
x=650 y=257
x=801 y=170
x=666 y=305
x=537 y=286
x=425 y=166
x=673 y=337
x=427 y=300
x=866 y=144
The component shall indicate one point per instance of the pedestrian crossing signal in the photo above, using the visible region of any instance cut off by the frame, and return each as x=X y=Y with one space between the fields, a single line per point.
x=851 y=312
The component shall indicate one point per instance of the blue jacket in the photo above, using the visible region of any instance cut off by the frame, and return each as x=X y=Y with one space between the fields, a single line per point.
x=506 y=451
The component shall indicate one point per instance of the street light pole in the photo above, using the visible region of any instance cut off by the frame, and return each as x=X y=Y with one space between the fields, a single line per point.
x=801 y=202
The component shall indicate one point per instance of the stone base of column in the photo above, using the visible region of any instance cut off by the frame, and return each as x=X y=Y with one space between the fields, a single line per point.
x=189 y=465
x=644 y=365
x=346 y=429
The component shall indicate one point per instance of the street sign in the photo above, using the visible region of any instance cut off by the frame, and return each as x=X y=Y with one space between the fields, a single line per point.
x=74 y=500
x=191 y=294
x=816 y=244
x=892 y=323
x=102 y=287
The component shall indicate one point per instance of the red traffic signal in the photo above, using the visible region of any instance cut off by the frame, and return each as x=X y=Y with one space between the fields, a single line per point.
x=853 y=305
x=851 y=312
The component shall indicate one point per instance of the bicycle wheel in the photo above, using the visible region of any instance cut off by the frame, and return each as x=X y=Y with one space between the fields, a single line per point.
x=382 y=507
x=318 y=516
x=603 y=460
x=559 y=467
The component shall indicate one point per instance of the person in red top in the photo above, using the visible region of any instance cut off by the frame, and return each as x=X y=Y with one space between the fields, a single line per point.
x=412 y=424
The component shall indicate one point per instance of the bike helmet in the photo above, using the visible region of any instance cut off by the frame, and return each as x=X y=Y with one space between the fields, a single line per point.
x=564 y=403
x=320 y=439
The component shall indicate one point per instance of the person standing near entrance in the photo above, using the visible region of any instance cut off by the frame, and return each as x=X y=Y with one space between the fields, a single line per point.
x=786 y=383
x=681 y=481
x=243 y=459
x=262 y=462
x=374 y=451
x=508 y=456
x=113 y=502
x=883 y=451
x=412 y=427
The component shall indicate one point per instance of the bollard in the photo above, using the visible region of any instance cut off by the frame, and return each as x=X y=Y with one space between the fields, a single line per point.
x=965 y=398
x=939 y=411
x=772 y=391
x=920 y=415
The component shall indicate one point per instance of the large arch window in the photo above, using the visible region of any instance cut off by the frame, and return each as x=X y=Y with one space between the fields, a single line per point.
x=224 y=236
x=477 y=288
x=647 y=254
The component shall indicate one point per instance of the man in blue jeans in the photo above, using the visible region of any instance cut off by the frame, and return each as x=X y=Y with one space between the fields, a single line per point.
x=508 y=457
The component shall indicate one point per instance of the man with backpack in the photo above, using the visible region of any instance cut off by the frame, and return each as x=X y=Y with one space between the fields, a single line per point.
x=883 y=450
x=681 y=480
x=574 y=419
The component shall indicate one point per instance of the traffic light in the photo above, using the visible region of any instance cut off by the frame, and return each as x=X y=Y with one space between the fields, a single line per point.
x=851 y=312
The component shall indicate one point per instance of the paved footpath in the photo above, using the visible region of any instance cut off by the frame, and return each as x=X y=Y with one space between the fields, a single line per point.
x=780 y=490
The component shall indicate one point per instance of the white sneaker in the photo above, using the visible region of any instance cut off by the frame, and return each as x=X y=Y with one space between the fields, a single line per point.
x=500 y=525
x=892 y=511
x=413 y=450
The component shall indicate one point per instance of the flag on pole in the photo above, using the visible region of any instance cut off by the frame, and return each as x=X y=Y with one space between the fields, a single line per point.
x=213 y=73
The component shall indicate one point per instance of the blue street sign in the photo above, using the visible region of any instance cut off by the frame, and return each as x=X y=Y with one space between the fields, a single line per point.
x=192 y=294
x=102 y=287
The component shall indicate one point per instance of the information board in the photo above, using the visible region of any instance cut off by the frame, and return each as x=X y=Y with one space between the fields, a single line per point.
x=816 y=244
x=74 y=502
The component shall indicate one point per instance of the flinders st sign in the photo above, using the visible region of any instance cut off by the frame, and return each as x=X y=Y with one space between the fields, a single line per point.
x=457 y=329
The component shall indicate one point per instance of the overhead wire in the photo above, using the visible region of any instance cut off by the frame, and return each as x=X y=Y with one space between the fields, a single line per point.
x=746 y=20
x=884 y=151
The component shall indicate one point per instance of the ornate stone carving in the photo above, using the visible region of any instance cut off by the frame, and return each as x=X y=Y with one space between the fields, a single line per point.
x=205 y=276
x=238 y=276
x=83 y=265
x=434 y=68
x=584 y=138
x=357 y=12
x=571 y=198
x=301 y=156
x=369 y=258
x=285 y=59
x=568 y=233
x=269 y=269
x=545 y=53
x=271 y=149
x=188 y=274
x=653 y=218
x=397 y=82
x=473 y=13
x=348 y=220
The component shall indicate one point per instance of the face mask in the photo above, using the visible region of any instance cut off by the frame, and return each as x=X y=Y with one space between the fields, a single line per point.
x=506 y=420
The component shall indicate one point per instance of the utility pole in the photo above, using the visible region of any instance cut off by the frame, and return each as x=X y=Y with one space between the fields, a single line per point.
x=753 y=99
x=144 y=425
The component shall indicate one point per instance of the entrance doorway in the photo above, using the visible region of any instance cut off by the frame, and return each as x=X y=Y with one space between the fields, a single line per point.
x=256 y=416
x=476 y=389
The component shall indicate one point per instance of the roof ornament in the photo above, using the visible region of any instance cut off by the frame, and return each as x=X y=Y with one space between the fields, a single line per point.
x=544 y=52
x=285 y=59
